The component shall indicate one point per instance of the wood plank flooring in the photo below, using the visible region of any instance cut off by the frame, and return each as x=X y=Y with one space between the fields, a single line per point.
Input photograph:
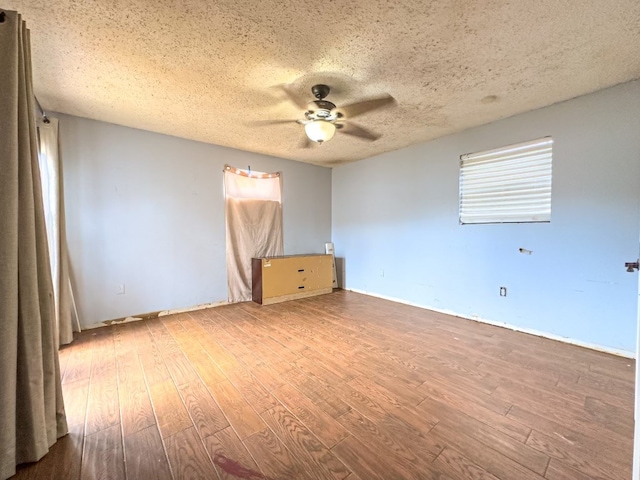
x=341 y=387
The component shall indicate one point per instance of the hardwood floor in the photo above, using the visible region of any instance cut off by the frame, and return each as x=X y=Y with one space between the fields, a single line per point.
x=343 y=387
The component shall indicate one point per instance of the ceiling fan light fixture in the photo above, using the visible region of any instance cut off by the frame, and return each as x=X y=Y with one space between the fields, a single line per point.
x=320 y=130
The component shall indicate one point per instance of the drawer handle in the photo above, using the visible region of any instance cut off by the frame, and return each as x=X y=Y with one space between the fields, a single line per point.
x=301 y=270
x=301 y=287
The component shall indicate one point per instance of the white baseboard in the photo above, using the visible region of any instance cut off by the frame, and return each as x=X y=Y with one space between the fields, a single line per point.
x=601 y=348
x=142 y=316
x=202 y=306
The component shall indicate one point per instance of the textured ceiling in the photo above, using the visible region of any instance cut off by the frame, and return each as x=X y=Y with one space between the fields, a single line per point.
x=207 y=70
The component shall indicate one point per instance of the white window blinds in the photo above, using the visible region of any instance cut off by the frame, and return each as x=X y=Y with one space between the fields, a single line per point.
x=507 y=185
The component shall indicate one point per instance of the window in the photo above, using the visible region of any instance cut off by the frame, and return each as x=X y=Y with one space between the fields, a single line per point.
x=507 y=185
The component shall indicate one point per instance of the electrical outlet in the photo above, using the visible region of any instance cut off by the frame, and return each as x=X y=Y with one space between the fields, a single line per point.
x=120 y=290
x=503 y=291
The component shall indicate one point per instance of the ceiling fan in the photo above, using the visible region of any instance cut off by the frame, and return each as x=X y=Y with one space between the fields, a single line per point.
x=322 y=118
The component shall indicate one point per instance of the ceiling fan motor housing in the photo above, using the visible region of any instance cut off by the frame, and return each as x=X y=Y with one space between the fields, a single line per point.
x=324 y=108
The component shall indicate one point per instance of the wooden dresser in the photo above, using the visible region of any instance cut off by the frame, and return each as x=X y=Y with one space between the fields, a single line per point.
x=278 y=279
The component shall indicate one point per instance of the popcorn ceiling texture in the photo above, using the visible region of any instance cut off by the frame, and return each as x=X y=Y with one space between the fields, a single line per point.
x=204 y=70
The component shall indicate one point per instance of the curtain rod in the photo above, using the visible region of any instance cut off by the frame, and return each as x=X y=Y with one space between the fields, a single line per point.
x=42 y=112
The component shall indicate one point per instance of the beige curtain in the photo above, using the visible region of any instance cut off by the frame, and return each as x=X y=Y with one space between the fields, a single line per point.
x=253 y=209
x=31 y=409
x=53 y=198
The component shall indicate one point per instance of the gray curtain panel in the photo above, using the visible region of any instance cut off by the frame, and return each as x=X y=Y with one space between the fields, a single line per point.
x=253 y=211
x=31 y=408
x=254 y=229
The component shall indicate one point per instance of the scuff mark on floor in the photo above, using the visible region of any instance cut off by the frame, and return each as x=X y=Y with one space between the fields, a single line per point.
x=236 y=469
x=564 y=438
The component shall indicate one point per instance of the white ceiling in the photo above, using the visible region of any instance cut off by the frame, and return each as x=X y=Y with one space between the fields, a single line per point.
x=206 y=70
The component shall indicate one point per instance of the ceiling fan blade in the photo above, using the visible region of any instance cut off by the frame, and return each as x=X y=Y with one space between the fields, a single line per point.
x=305 y=143
x=358 y=108
x=262 y=123
x=357 y=131
x=292 y=96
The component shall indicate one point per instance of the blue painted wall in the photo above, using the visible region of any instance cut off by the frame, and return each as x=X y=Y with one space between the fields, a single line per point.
x=147 y=210
x=395 y=222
